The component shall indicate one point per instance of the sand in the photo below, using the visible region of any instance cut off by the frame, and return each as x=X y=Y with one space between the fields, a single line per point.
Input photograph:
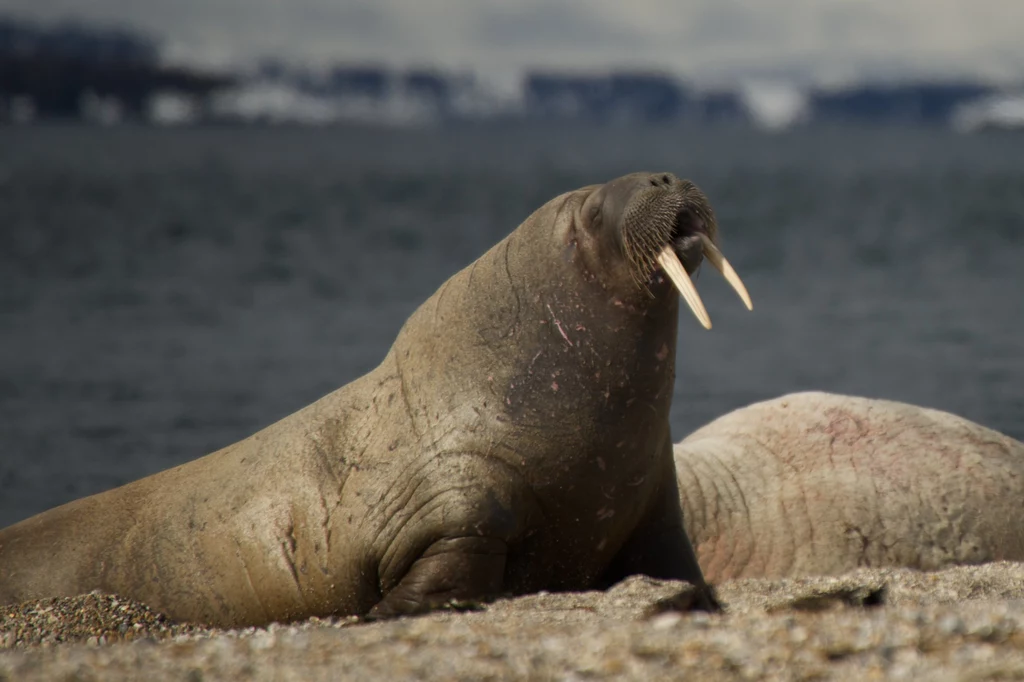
x=965 y=623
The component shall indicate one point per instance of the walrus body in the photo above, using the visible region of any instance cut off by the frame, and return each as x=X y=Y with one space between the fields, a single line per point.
x=818 y=484
x=515 y=438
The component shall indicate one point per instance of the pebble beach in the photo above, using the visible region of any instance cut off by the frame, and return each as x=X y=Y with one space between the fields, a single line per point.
x=963 y=623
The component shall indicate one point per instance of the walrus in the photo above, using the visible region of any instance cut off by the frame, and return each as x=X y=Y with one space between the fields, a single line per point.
x=515 y=438
x=821 y=484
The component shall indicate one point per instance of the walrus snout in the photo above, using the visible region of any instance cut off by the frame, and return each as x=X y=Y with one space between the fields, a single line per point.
x=693 y=218
x=666 y=223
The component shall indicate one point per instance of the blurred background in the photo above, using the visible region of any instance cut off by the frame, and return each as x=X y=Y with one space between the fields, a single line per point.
x=214 y=212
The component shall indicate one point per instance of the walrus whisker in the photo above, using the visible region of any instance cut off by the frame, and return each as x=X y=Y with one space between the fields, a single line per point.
x=648 y=230
x=712 y=253
x=669 y=261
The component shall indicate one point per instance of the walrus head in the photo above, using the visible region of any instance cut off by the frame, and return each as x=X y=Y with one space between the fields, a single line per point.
x=658 y=224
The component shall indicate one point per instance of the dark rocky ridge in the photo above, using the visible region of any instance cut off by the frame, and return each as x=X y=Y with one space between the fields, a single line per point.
x=55 y=66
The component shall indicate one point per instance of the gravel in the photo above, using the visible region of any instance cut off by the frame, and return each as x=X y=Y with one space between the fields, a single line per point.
x=965 y=623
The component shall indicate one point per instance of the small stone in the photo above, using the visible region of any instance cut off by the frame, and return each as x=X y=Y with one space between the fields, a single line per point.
x=666 y=620
x=951 y=625
x=700 y=619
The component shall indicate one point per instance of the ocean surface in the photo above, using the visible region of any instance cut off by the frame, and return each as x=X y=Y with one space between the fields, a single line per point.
x=164 y=293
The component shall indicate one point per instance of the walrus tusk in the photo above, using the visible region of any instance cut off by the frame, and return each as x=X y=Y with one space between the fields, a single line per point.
x=669 y=261
x=718 y=260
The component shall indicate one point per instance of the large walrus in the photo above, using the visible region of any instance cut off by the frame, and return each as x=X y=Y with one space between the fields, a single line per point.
x=819 y=483
x=515 y=438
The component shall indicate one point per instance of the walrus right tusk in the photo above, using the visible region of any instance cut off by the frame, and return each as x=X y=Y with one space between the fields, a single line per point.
x=669 y=261
x=712 y=253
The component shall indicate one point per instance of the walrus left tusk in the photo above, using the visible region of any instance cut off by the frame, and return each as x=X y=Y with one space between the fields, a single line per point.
x=718 y=260
x=669 y=261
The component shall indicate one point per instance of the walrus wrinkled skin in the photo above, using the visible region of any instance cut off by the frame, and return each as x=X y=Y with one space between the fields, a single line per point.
x=493 y=451
x=820 y=484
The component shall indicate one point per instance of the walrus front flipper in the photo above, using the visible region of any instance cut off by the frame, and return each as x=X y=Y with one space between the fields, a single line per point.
x=452 y=569
x=665 y=553
x=660 y=548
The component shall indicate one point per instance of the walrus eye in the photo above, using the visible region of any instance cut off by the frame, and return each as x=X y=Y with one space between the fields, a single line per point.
x=594 y=216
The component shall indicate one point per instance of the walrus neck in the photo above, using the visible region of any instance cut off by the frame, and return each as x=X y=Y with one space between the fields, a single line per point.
x=524 y=322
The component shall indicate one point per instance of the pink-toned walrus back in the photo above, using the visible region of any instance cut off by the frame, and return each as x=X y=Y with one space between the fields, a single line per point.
x=818 y=483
